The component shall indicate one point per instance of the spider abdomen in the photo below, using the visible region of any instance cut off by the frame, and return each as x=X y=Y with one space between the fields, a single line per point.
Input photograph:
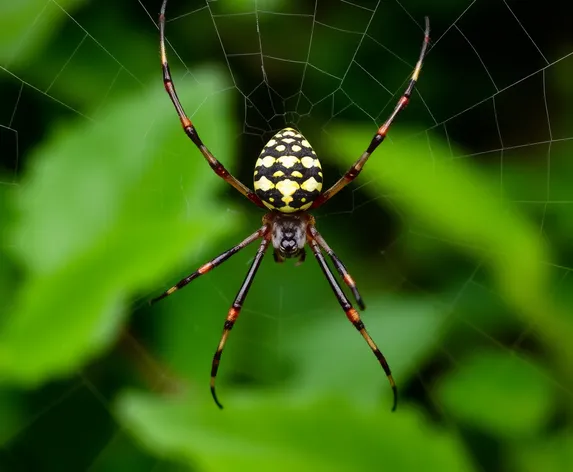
x=288 y=175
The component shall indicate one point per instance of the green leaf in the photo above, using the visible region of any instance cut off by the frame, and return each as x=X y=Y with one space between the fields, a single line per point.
x=332 y=356
x=9 y=276
x=502 y=394
x=106 y=209
x=451 y=199
x=275 y=433
x=553 y=454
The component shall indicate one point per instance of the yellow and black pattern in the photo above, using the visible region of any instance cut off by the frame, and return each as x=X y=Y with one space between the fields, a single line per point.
x=288 y=175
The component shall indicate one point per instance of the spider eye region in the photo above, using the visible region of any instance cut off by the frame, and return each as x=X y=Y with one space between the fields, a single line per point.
x=288 y=175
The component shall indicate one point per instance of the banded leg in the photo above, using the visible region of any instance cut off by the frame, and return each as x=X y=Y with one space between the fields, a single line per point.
x=380 y=135
x=353 y=316
x=340 y=267
x=188 y=127
x=212 y=263
x=234 y=314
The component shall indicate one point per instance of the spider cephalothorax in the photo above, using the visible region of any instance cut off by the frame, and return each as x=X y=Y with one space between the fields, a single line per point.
x=288 y=234
x=288 y=181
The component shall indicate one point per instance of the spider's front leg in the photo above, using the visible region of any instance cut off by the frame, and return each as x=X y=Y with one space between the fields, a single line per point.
x=380 y=135
x=188 y=126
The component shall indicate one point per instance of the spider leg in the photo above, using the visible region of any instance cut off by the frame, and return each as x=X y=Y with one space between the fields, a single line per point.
x=188 y=127
x=353 y=315
x=353 y=172
x=340 y=267
x=234 y=314
x=212 y=263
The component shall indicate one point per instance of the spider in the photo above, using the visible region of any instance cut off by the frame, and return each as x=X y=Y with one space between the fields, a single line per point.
x=288 y=182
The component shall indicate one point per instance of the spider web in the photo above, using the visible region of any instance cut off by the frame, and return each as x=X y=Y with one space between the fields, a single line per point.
x=493 y=92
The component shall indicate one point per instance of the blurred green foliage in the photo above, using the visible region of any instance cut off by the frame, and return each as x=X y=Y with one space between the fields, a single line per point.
x=124 y=203
x=327 y=434
x=111 y=203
